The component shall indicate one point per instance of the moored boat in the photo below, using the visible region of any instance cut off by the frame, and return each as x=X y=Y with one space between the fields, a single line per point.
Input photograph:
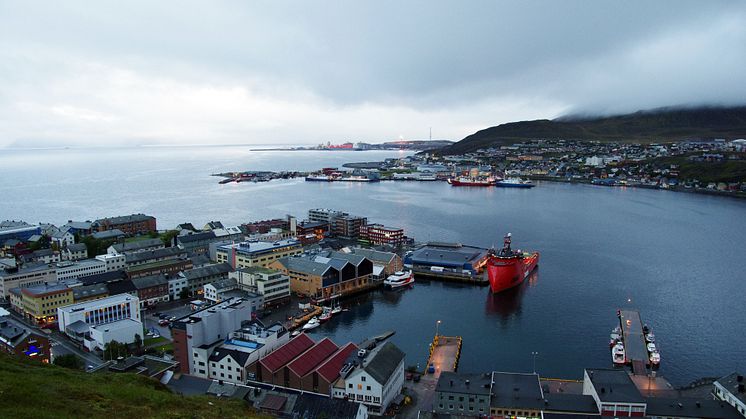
x=312 y=324
x=514 y=183
x=508 y=268
x=617 y=354
x=399 y=279
x=467 y=181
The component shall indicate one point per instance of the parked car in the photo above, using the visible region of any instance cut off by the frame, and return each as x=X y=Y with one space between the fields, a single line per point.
x=163 y=322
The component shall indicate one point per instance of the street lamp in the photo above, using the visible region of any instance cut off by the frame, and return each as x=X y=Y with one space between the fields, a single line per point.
x=534 y=355
x=437 y=325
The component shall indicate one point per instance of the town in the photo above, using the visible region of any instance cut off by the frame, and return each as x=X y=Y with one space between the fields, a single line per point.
x=223 y=310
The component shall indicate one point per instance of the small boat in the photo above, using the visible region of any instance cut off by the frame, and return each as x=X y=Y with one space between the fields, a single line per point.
x=326 y=315
x=295 y=333
x=651 y=347
x=312 y=324
x=655 y=358
x=399 y=279
x=650 y=337
x=336 y=309
x=617 y=354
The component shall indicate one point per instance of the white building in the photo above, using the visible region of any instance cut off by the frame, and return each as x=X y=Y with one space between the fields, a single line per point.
x=273 y=285
x=63 y=238
x=731 y=390
x=75 y=251
x=113 y=262
x=27 y=276
x=97 y=322
x=87 y=267
x=217 y=291
x=242 y=348
x=175 y=286
x=374 y=379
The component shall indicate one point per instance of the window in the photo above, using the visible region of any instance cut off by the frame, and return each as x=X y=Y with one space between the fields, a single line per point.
x=201 y=364
x=349 y=385
x=201 y=371
x=362 y=378
x=367 y=388
x=222 y=375
x=450 y=397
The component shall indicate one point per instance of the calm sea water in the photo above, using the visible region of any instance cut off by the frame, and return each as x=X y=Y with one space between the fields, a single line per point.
x=678 y=258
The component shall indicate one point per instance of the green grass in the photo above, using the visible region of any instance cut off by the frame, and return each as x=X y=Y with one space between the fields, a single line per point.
x=727 y=171
x=32 y=389
x=169 y=347
x=151 y=341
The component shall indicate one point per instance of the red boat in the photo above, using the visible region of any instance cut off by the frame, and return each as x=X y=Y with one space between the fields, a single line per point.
x=466 y=181
x=508 y=268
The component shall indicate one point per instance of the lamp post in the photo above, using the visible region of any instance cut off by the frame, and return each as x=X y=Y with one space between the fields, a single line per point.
x=534 y=355
x=437 y=326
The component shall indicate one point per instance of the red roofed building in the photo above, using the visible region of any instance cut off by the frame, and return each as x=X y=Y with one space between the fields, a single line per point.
x=323 y=377
x=270 y=368
x=308 y=361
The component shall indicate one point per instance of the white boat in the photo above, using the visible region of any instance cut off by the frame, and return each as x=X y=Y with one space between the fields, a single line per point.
x=312 y=324
x=514 y=183
x=650 y=337
x=617 y=354
x=651 y=347
x=295 y=333
x=336 y=308
x=655 y=358
x=399 y=279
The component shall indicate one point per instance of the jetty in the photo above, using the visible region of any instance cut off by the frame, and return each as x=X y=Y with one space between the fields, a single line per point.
x=634 y=340
x=444 y=354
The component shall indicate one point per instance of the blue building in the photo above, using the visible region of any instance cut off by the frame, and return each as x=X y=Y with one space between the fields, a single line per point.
x=447 y=258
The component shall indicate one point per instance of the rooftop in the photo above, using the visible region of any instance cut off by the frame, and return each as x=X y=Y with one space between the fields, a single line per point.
x=313 y=357
x=46 y=289
x=381 y=363
x=516 y=390
x=447 y=254
x=705 y=409
x=614 y=386
x=111 y=300
x=287 y=352
x=108 y=234
x=330 y=368
x=452 y=382
x=207 y=271
x=166 y=252
x=124 y=219
x=150 y=281
x=731 y=382
x=88 y=291
x=253 y=247
x=137 y=245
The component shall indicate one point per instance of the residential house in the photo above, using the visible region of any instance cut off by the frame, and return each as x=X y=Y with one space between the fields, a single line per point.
x=17 y=340
x=75 y=251
x=374 y=377
x=152 y=289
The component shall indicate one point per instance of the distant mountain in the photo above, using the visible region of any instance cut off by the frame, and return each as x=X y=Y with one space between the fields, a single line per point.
x=658 y=125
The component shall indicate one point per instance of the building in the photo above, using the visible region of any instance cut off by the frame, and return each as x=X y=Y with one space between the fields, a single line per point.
x=247 y=254
x=81 y=268
x=169 y=267
x=26 y=276
x=325 y=277
x=39 y=303
x=388 y=262
x=229 y=361
x=463 y=394
x=62 y=238
x=516 y=394
x=75 y=251
x=614 y=392
x=152 y=289
x=217 y=291
x=96 y=323
x=379 y=234
x=81 y=228
x=130 y=225
x=42 y=256
x=447 y=258
x=176 y=286
x=114 y=234
x=374 y=377
x=17 y=340
x=312 y=231
x=324 y=215
x=113 y=262
x=135 y=246
x=199 y=277
x=348 y=226
x=198 y=333
x=146 y=365
x=146 y=257
x=731 y=390
x=273 y=285
x=18 y=230
x=90 y=292
x=196 y=242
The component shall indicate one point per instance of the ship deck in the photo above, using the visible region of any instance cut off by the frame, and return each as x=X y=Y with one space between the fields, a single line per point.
x=634 y=340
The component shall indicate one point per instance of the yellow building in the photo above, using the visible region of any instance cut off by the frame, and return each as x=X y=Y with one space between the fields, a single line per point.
x=255 y=253
x=39 y=304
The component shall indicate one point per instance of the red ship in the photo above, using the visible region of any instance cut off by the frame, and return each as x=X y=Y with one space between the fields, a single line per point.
x=465 y=181
x=508 y=268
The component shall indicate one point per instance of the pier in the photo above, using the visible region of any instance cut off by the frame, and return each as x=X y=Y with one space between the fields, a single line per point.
x=635 y=348
x=444 y=354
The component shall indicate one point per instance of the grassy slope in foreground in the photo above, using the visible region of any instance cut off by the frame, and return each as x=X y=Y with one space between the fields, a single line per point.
x=30 y=389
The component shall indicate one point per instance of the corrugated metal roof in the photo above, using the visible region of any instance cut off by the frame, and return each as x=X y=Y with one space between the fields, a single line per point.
x=314 y=356
x=286 y=352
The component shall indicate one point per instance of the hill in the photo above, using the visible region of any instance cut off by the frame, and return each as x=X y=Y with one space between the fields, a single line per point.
x=31 y=389
x=659 y=125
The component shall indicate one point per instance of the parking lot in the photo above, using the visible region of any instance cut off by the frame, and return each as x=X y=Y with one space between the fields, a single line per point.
x=170 y=310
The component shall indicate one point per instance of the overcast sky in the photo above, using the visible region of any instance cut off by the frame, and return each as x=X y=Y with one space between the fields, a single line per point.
x=309 y=71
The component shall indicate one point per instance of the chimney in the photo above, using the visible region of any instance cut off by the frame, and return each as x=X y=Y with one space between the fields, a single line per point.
x=739 y=378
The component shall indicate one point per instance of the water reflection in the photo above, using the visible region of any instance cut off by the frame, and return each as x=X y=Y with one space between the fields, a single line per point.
x=506 y=304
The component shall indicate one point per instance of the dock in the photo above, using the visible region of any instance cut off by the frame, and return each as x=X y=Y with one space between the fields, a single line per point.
x=444 y=354
x=635 y=347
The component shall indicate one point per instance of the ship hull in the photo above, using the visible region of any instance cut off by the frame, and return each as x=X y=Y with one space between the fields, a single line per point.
x=454 y=182
x=515 y=185
x=508 y=272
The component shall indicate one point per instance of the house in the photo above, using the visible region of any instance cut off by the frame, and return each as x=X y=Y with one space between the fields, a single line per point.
x=130 y=225
x=614 y=392
x=517 y=394
x=384 y=263
x=378 y=234
x=17 y=340
x=42 y=256
x=217 y=291
x=62 y=238
x=113 y=234
x=212 y=225
x=135 y=246
x=75 y=251
x=81 y=228
x=198 y=243
x=464 y=394
x=199 y=277
x=374 y=377
x=731 y=389
x=152 y=289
